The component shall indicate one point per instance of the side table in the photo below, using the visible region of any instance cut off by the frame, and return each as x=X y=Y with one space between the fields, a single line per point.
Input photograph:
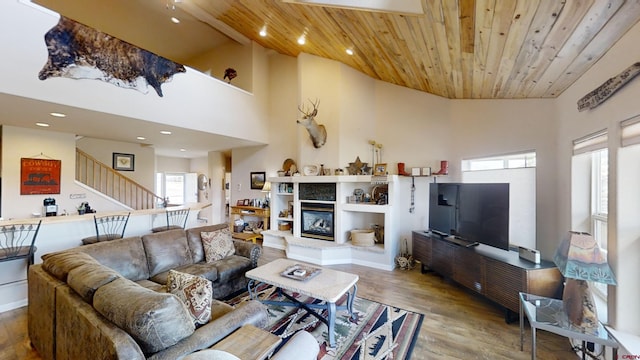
x=548 y=314
x=249 y=342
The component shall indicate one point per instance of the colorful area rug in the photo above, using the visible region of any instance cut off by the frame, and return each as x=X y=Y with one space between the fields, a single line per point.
x=378 y=332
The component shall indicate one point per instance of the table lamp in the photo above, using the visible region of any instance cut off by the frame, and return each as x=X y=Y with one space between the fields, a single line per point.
x=266 y=188
x=580 y=259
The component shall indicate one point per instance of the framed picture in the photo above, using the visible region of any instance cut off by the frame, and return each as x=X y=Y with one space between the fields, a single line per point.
x=240 y=202
x=380 y=169
x=246 y=202
x=39 y=176
x=123 y=162
x=257 y=180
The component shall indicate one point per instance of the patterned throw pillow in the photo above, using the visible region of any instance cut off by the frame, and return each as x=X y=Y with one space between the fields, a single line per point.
x=195 y=292
x=217 y=244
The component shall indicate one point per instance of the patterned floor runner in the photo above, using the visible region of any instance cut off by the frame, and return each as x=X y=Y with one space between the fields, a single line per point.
x=378 y=331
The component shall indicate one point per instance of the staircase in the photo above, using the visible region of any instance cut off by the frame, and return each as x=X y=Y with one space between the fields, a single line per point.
x=104 y=179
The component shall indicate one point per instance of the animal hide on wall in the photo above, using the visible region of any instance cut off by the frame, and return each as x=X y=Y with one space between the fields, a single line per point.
x=80 y=52
x=604 y=91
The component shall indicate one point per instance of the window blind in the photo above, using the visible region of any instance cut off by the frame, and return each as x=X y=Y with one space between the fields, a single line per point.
x=591 y=142
x=630 y=131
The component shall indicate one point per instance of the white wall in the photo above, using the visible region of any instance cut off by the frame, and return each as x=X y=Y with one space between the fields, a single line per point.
x=230 y=55
x=492 y=127
x=172 y=164
x=624 y=309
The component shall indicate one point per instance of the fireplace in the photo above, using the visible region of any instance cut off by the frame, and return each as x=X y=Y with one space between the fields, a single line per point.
x=317 y=221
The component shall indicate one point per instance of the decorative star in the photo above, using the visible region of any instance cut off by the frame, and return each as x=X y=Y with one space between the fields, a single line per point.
x=355 y=168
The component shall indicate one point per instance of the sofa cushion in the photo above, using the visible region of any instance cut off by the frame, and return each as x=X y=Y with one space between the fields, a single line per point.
x=195 y=241
x=208 y=271
x=59 y=264
x=195 y=292
x=166 y=250
x=126 y=256
x=217 y=244
x=155 y=320
x=87 y=278
x=152 y=285
x=232 y=267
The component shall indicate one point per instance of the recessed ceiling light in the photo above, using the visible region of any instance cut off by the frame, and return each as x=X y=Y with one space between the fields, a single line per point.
x=141 y=138
x=183 y=149
x=42 y=124
x=302 y=40
x=57 y=114
x=263 y=31
x=175 y=20
x=165 y=132
x=349 y=52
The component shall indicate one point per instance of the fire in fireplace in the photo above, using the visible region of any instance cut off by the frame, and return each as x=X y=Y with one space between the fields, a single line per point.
x=317 y=221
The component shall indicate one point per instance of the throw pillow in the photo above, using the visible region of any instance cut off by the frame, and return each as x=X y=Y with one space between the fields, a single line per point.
x=195 y=292
x=217 y=244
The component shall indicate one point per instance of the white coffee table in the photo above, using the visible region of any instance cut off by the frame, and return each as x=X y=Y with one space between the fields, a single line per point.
x=328 y=285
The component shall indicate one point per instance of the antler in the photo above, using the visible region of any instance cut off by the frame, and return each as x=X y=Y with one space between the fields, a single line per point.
x=312 y=113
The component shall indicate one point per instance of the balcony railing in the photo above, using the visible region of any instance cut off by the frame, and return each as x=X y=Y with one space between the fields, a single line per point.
x=103 y=178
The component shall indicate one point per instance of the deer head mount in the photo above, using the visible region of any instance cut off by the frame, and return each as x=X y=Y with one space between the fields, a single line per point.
x=317 y=132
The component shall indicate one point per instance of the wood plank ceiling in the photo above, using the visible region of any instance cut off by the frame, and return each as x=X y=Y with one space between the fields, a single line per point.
x=480 y=49
x=458 y=49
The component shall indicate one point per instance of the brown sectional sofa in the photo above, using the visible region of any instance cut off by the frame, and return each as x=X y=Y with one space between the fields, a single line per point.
x=107 y=301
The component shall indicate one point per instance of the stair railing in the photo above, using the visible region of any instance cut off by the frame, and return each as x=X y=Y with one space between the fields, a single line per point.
x=103 y=178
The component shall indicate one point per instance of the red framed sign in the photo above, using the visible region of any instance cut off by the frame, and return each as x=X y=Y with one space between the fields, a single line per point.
x=39 y=176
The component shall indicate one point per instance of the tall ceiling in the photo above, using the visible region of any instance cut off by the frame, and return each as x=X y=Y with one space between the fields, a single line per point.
x=458 y=49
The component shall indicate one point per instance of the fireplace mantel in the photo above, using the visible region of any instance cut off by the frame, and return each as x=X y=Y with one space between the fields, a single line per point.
x=348 y=216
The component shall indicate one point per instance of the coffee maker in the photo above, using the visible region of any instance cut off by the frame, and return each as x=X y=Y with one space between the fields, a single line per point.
x=50 y=207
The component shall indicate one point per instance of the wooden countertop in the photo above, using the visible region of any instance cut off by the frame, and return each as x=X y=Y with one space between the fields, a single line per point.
x=76 y=217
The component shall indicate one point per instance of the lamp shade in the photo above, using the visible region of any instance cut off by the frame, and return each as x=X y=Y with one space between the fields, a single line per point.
x=266 y=187
x=580 y=257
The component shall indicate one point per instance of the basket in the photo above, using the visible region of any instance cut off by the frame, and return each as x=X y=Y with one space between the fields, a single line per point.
x=238 y=228
x=363 y=238
x=284 y=226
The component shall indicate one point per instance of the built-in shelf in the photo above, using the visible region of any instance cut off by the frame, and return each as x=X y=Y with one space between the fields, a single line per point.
x=362 y=207
x=348 y=216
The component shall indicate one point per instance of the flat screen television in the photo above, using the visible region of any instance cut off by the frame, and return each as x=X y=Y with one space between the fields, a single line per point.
x=473 y=212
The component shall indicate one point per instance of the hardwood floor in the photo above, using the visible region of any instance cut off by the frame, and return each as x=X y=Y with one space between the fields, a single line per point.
x=457 y=325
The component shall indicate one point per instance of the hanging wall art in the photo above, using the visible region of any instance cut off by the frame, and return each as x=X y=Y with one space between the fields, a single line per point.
x=39 y=176
x=80 y=52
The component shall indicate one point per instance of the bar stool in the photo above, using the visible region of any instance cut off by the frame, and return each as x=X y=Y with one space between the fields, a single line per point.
x=18 y=241
x=176 y=219
x=108 y=227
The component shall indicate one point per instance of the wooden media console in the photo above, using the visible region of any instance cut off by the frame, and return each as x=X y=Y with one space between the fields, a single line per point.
x=497 y=274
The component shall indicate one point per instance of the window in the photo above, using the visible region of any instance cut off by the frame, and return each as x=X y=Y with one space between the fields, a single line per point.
x=512 y=161
x=171 y=186
x=599 y=204
x=590 y=192
x=177 y=188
